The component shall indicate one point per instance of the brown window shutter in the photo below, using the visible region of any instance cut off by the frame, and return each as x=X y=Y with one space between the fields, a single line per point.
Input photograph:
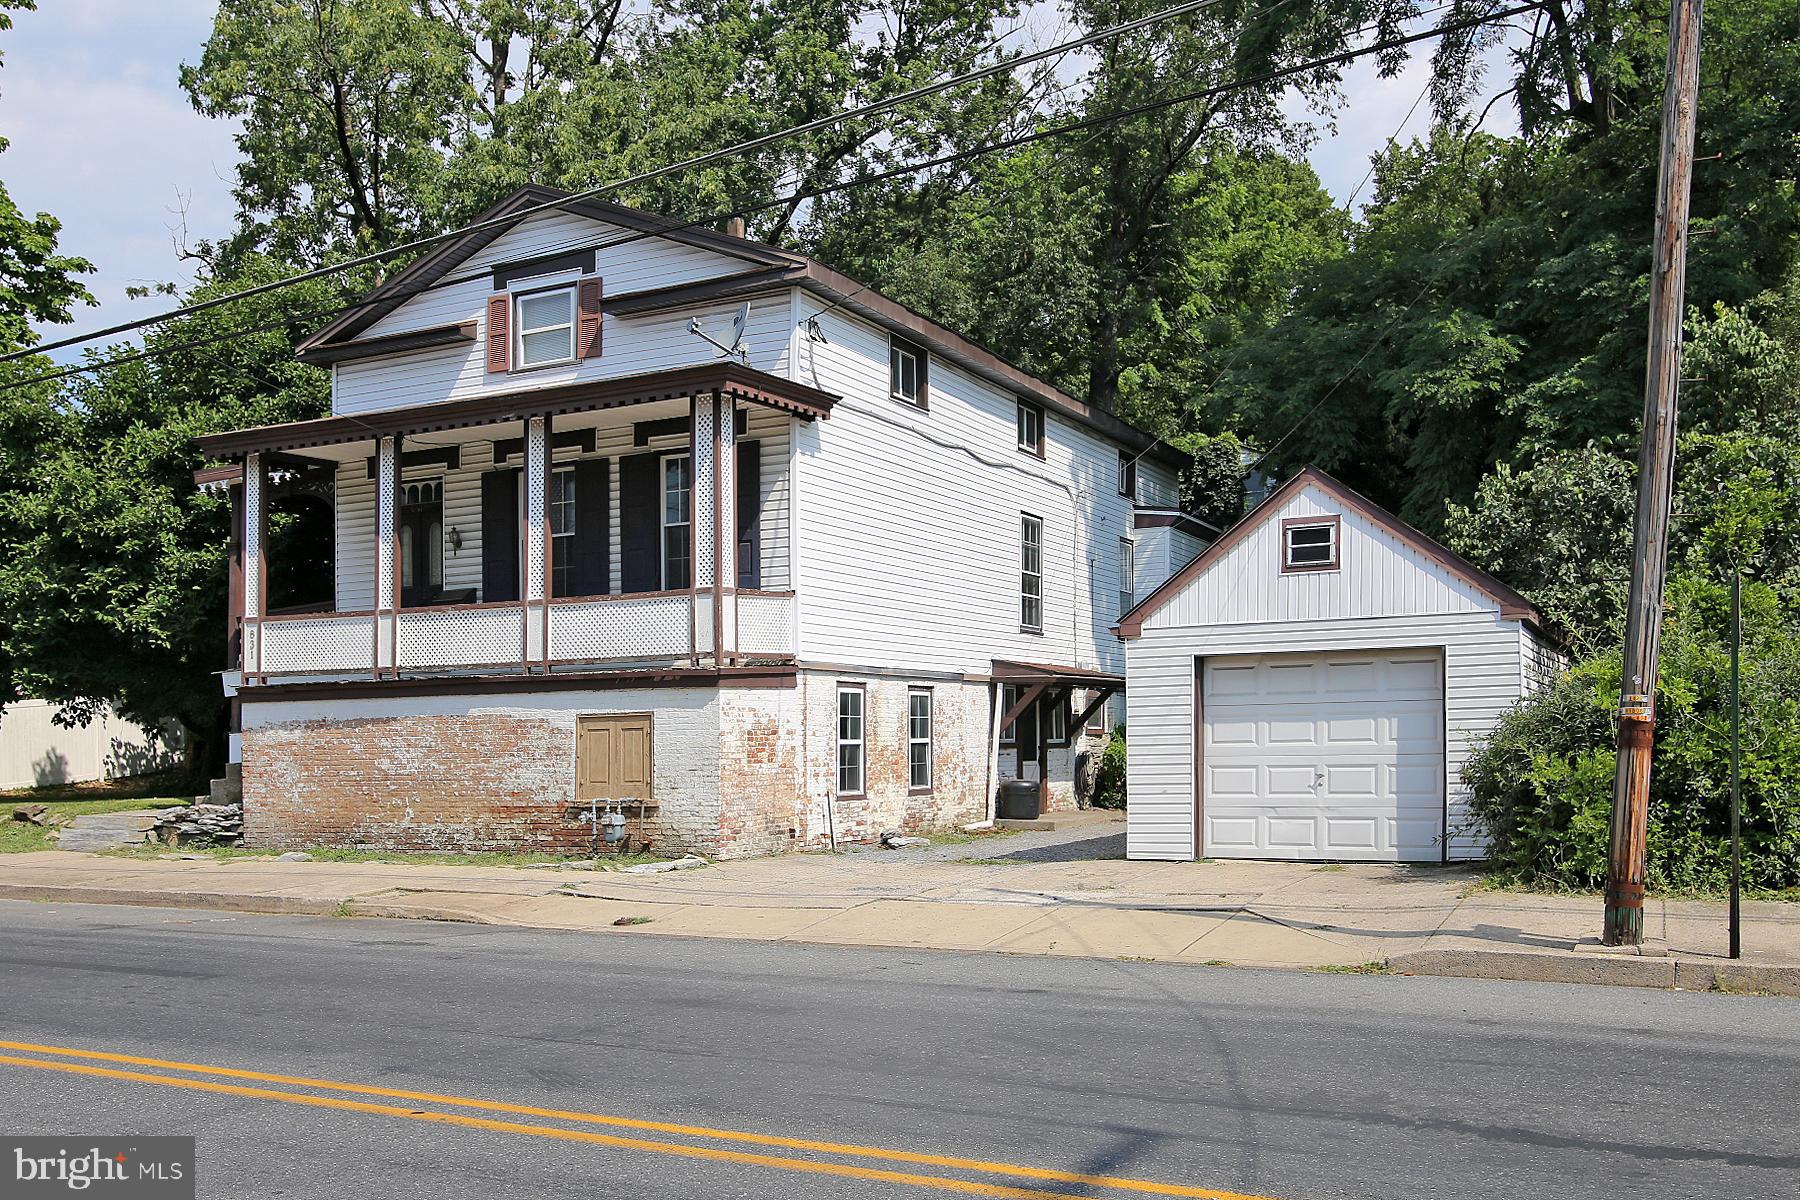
x=587 y=324
x=499 y=333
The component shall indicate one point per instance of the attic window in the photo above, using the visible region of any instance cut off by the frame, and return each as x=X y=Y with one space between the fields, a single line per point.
x=546 y=323
x=1309 y=544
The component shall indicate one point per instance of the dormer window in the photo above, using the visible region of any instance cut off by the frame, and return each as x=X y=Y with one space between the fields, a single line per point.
x=545 y=327
x=1309 y=544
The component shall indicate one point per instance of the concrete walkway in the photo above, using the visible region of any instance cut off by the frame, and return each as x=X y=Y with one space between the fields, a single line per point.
x=1425 y=920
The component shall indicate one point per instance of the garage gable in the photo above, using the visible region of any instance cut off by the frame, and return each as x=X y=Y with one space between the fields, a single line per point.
x=1369 y=564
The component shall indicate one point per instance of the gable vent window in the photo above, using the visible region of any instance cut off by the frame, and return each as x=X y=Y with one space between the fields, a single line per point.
x=546 y=327
x=1309 y=544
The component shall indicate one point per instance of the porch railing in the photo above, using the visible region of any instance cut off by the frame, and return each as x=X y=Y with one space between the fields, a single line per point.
x=675 y=628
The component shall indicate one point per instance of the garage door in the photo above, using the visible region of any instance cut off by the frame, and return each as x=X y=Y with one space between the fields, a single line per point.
x=1324 y=756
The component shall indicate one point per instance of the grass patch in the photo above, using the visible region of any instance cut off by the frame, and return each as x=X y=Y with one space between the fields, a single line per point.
x=415 y=858
x=22 y=837
x=959 y=837
x=1368 y=968
x=1499 y=880
x=1329 y=867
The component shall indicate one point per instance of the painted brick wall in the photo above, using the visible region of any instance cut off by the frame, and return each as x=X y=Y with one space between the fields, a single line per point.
x=960 y=757
x=762 y=804
x=468 y=772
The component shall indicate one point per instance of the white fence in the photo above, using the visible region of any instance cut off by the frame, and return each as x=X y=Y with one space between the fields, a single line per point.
x=34 y=750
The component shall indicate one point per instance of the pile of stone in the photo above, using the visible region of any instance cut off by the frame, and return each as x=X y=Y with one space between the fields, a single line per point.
x=201 y=821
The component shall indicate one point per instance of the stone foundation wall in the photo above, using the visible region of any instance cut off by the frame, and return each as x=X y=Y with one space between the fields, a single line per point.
x=465 y=772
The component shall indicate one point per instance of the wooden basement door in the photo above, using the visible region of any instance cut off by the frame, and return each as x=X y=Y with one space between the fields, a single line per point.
x=612 y=757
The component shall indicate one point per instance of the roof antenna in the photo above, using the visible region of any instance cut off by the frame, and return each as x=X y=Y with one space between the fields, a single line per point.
x=736 y=349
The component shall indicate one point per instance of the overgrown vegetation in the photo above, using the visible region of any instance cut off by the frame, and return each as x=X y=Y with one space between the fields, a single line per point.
x=1543 y=782
x=1109 y=788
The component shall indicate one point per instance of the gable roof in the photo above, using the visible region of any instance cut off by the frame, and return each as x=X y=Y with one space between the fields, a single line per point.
x=1512 y=605
x=770 y=269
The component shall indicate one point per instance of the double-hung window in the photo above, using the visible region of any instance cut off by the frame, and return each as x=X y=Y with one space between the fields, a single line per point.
x=544 y=327
x=918 y=739
x=1031 y=573
x=1031 y=429
x=562 y=531
x=1127 y=576
x=851 y=751
x=677 y=521
x=1056 y=721
x=1128 y=478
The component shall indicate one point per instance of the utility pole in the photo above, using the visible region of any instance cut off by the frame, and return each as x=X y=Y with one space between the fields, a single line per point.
x=1626 y=864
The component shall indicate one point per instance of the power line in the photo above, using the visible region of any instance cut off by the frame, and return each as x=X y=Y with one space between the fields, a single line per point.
x=699 y=160
x=662 y=230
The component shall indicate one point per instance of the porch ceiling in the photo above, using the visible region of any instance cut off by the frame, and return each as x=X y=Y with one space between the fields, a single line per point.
x=733 y=380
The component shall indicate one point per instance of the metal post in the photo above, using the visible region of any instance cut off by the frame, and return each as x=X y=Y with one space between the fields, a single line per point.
x=1737 y=862
x=1626 y=868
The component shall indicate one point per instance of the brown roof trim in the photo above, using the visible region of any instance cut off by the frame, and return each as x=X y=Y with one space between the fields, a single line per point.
x=1512 y=605
x=731 y=378
x=1009 y=671
x=784 y=267
x=723 y=287
x=438 y=262
x=391 y=343
x=571 y=681
x=852 y=295
x=229 y=473
x=1171 y=519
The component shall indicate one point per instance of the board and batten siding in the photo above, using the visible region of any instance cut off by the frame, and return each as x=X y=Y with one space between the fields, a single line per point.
x=630 y=344
x=909 y=519
x=1386 y=595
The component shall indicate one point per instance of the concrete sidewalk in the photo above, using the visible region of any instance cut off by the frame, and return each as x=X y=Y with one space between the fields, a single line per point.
x=1423 y=920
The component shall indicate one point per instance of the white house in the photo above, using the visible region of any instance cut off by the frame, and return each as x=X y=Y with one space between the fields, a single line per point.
x=614 y=510
x=1310 y=685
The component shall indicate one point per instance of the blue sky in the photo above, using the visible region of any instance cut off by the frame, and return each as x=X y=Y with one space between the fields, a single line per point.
x=103 y=137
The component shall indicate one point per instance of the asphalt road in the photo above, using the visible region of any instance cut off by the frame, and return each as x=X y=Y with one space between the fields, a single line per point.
x=1260 y=1083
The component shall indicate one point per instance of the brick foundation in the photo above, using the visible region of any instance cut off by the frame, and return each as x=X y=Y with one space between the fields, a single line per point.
x=737 y=771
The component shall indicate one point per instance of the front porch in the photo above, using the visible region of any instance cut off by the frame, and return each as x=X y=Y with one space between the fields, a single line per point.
x=633 y=523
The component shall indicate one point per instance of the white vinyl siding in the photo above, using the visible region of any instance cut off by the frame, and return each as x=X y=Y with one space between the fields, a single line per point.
x=1387 y=596
x=908 y=523
x=634 y=344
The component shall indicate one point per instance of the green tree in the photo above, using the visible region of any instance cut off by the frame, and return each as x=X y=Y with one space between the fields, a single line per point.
x=114 y=571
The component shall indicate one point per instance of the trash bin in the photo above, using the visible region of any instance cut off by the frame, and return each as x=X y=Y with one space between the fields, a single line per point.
x=1018 y=800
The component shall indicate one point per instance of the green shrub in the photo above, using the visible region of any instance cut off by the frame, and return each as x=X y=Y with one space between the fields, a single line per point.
x=1542 y=782
x=1109 y=790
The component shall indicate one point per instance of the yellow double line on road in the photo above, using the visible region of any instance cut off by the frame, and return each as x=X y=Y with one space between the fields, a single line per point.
x=680 y=1149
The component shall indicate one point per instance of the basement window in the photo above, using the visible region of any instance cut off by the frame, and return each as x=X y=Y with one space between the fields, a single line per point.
x=1309 y=544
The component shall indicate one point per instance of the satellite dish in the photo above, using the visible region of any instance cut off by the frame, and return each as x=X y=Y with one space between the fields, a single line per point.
x=738 y=322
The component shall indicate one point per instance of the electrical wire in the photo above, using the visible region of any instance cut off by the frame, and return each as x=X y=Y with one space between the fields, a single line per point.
x=665 y=229
x=756 y=143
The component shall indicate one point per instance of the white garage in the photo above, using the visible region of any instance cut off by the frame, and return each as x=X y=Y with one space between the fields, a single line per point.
x=1310 y=686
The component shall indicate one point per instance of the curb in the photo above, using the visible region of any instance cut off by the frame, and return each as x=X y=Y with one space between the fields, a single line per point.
x=1690 y=974
x=216 y=901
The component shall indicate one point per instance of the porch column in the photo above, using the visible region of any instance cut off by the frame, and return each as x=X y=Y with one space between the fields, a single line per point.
x=537 y=540
x=234 y=590
x=725 y=573
x=703 y=525
x=387 y=555
x=254 y=538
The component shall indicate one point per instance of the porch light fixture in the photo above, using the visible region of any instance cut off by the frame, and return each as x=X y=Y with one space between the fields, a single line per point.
x=455 y=539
